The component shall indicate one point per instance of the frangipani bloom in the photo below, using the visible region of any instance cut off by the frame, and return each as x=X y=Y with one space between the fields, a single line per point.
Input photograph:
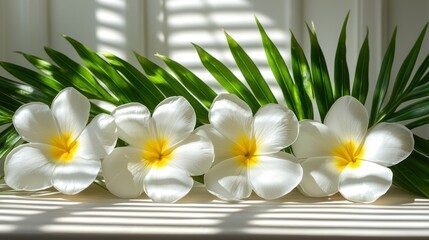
x=163 y=152
x=248 y=148
x=62 y=151
x=342 y=155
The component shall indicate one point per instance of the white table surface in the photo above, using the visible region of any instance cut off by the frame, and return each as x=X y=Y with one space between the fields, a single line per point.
x=97 y=214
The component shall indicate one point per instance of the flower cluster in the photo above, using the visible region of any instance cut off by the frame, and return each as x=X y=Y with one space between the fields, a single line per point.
x=237 y=153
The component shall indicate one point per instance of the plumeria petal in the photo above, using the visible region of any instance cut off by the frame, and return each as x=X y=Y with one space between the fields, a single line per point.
x=275 y=128
x=315 y=139
x=275 y=175
x=134 y=123
x=35 y=123
x=175 y=119
x=71 y=110
x=232 y=117
x=228 y=180
x=320 y=177
x=29 y=167
x=388 y=144
x=167 y=184
x=222 y=145
x=119 y=179
x=194 y=155
x=348 y=118
x=75 y=176
x=365 y=183
x=99 y=138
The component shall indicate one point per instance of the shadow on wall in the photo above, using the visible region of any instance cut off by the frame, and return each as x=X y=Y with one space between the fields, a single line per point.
x=178 y=23
x=111 y=25
x=203 y=21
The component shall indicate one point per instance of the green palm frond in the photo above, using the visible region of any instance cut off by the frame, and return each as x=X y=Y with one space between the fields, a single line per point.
x=106 y=77
x=361 y=81
x=296 y=94
x=192 y=83
x=149 y=94
x=170 y=86
x=227 y=79
x=413 y=173
x=321 y=82
x=404 y=86
x=341 y=70
x=251 y=73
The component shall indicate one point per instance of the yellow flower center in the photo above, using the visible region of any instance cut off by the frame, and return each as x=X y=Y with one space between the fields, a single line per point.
x=63 y=147
x=348 y=154
x=245 y=149
x=156 y=152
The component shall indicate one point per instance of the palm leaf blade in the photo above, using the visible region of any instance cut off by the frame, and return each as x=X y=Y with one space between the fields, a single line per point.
x=418 y=123
x=171 y=87
x=408 y=65
x=36 y=80
x=302 y=75
x=9 y=139
x=341 y=70
x=5 y=116
x=226 y=78
x=361 y=81
x=321 y=82
x=193 y=83
x=78 y=76
x=251 y=73
x=280 y=71
x=105 y=72
x=148 y=93
x=383 y=81
x=415 y=110
x=415 y=169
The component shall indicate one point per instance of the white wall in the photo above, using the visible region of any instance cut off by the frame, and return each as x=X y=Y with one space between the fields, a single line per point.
x=169 y=26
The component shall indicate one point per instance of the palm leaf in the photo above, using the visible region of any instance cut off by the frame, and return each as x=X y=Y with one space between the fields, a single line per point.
x=383 y=81
x=44 y=84
x=321 y=82
x=193 y=83
x=419 y=79
x=119 y=86
x=251 y=73
x=16 y=94
x=303 y=94
x=418 y=123
x=171 y=86
x=226 y=78
x=341 y=70
x=400 y=90
x=360 y=84
x=408 y=66
x=5 y=116
x=415 y=110
x=413 y=173
x=147 y=92
x=78 y=76
x=281 y=73
x=9 y=139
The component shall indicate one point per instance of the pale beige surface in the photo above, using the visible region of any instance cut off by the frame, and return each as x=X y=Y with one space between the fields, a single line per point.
x=96 y=214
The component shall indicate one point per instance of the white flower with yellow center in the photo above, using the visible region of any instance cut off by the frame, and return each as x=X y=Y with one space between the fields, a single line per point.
x=61 y=151
x=248 y=150
x=342 y=155
x=163 y=152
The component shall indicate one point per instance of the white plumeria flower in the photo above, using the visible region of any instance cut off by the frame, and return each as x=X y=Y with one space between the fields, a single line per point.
x=248 y=152
x=62 y=151
x=342 y=155
x=163 y=152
